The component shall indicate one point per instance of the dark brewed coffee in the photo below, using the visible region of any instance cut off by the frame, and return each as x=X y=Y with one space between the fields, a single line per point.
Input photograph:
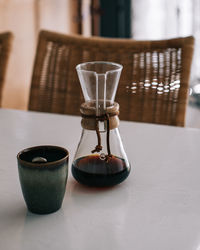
x=93 y=171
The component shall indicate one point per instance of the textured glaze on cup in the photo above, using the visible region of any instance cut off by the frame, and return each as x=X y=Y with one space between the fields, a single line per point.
x=43 y=184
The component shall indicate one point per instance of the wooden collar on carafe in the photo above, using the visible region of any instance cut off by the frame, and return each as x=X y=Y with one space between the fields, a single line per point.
x=88 y=113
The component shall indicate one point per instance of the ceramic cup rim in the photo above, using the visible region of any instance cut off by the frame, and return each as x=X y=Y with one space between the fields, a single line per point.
x=46 y=164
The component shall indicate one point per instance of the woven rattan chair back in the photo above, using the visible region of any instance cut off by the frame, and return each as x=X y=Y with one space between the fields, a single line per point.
x=5 y=45
x=153 y=86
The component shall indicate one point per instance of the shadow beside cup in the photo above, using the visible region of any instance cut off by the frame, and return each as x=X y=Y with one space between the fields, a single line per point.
x=43 y=172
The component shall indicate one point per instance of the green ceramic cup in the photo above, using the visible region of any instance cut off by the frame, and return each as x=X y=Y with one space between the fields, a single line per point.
x=43 y=172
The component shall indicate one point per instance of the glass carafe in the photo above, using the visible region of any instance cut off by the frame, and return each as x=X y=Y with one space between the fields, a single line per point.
x=100 y=159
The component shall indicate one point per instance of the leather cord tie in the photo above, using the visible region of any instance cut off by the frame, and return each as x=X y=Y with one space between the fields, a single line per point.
x=105 y=117
x=98 y=147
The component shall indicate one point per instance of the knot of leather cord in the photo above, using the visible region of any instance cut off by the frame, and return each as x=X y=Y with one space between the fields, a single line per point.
x=98 y=148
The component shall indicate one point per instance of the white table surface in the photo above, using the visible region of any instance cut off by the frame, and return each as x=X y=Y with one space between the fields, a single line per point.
x=156 y=208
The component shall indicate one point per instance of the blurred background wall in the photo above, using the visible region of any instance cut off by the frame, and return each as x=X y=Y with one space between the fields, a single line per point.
x=25 y=18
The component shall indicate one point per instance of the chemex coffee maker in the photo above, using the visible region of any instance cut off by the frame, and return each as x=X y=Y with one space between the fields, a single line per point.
x=100 y=159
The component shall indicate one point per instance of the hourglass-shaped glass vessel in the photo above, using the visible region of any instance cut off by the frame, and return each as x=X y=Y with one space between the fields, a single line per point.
x=100 y=159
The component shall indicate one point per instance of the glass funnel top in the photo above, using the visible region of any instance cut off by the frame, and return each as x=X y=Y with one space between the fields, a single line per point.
x=99 y=81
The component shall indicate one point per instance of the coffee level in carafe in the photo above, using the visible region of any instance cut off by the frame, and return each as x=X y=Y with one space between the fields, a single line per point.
x=105 y=173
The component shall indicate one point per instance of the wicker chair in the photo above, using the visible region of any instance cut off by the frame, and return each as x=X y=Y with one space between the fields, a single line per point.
x=5 y=44
x=153 y=86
